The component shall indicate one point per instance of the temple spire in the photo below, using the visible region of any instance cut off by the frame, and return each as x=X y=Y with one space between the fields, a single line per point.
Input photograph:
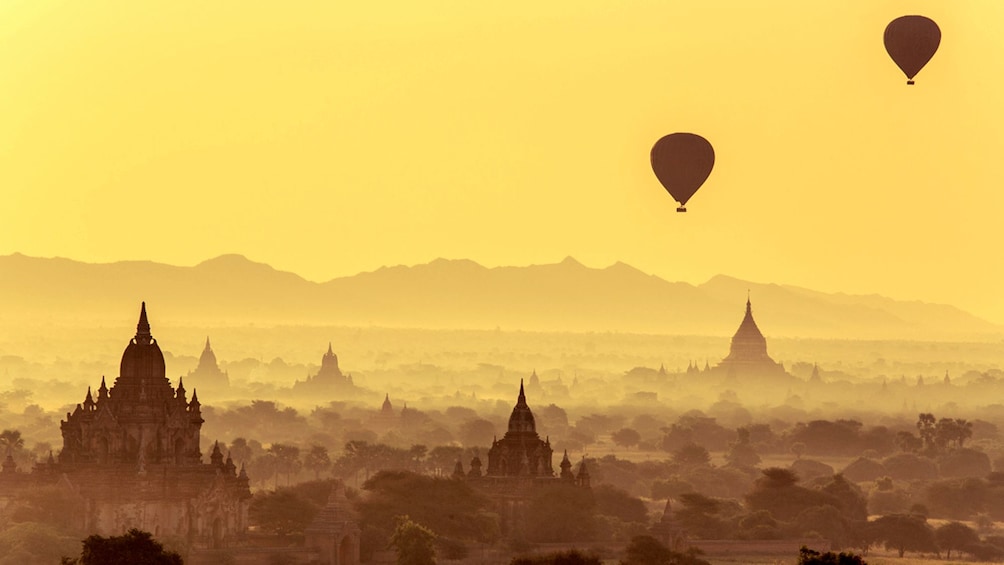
x=749 y=306
x=143 y=327
x=208 y=348
x=522 y=395
x=330 y=351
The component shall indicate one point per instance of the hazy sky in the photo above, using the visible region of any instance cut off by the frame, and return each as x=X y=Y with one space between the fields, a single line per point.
x=328 y=138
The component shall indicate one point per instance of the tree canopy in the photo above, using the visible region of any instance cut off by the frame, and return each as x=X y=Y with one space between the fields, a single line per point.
x=135 y=547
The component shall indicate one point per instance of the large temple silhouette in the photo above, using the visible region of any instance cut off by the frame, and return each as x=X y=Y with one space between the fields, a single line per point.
x=520 y=452
x=519 y=463
x=133 y=456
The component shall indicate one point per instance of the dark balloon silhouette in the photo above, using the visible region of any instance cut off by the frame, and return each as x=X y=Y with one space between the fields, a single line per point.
x=911 y=42
x=682 y=162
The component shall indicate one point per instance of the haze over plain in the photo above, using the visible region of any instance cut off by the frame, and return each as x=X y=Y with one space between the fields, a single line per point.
x=332 y=139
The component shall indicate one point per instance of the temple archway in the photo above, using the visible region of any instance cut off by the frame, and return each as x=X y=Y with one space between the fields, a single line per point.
x=217 y=533
x=348 y=551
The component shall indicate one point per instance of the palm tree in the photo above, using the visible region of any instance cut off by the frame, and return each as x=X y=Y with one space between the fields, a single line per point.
x=11 y=440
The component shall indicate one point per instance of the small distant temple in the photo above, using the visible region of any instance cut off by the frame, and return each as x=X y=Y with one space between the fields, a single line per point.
x=208 y=376
x=386 y=418
x=748 y=352
x=328 y=380
x=335 y=532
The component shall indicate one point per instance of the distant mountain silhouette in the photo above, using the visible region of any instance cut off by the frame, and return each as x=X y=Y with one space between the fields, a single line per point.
x=567 y=296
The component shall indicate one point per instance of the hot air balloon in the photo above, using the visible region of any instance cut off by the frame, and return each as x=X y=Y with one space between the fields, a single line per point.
x=682 y=162
x=911 y=42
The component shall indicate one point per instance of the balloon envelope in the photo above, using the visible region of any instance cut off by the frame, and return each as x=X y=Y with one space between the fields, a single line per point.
x=911 y=42
x=682 y=162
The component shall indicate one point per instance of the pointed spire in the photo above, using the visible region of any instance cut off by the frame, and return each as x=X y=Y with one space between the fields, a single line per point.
x=749 y=306
x=243 y=483
x=181 y=388
x=582 y=479
x=217 y=456
x=88 y=400
x=208 y=348
x=143 y=327
x=522 y=395
x=330 y=351
x=103 y=389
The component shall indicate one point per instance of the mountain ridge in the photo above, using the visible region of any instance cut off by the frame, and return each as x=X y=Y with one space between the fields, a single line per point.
x=460 y=293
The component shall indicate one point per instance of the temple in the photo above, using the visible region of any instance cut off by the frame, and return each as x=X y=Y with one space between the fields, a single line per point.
x=207 y=376
x=520 y=452
x=328 y=380
x=518 y=464
x=748 y=352
x=132 y=456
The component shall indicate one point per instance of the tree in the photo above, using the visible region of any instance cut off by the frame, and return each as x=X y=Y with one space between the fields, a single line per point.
x=241 y=450
x=264 y=467
x=570 y=557
x=612 y=501
x=777 y=492
x=626 y=437
x=561 y=513
x=646 y=550
x=477 y=432
x=53 y=505
x=926 y=427
x=287 y=459
x=910 y=467
x=451 y=509
x=134 y=548
x=807 y=556
x=798 y=448
x=415 y=544
x=443 y=458
x=908 y=443
x=282 y=512
x=777 y=477
x=692 y=455
x=955 y=535
x=852 y=502
x=741 y=453
x=759 y=525
x=828 y=522
x=700 y=516
x=10 y=440
x=317 y=460
x=948 y=431
x=964 y=462
x=33 y=542
x=904 y=532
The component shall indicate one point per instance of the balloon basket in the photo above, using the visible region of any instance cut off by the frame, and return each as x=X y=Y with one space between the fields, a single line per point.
x=909 y=82
x=681 y=209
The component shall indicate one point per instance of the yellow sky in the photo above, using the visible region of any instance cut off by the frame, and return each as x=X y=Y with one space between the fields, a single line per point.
x=328 y=138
